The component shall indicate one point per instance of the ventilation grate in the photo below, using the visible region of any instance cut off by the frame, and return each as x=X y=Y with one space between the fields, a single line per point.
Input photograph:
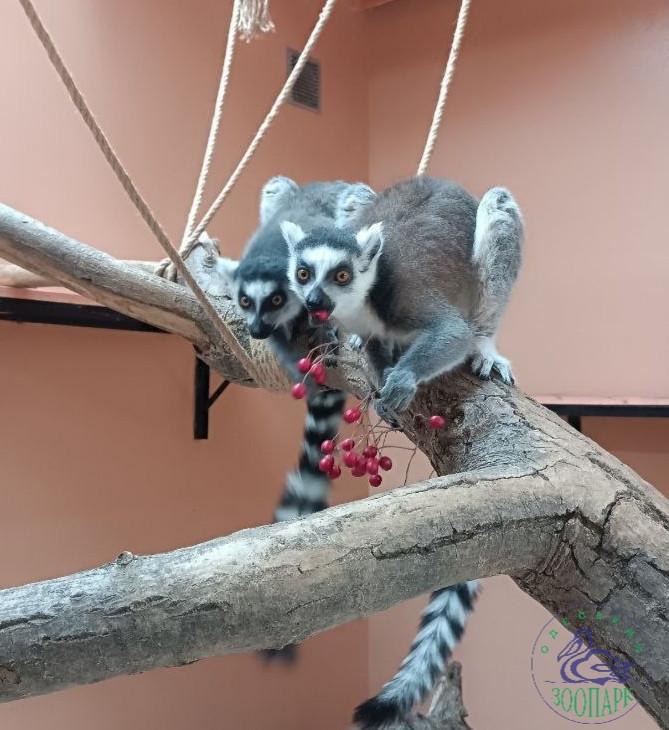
x=307 y=90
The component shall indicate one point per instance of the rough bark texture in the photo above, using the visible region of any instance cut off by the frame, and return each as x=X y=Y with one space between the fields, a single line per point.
x=527 y=496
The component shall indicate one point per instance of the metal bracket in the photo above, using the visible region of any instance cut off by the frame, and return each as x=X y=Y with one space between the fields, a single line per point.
x=203 y=401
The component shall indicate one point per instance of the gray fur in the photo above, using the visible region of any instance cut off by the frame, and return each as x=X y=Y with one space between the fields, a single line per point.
x=428 y=285
x=351 y=202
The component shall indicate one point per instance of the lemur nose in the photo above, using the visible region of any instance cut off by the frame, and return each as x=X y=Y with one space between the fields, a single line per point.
x=317 y=299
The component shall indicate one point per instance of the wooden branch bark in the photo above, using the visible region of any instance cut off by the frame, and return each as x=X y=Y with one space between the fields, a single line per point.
x=527 y=496
x=20 y=278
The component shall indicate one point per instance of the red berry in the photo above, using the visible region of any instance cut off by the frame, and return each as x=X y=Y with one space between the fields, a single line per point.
x=373 y=465
x=386 y=463
x=375 y=480
x=328 y=446
x=334 y=472
x=370 y=451
x=322 y=315
x=437 y=421
x=317 y=369
x=326 y=463
x=299 y=390
x=358 y=471
x=361 y=461
x=347 y=444
x=304 y=365
x=351 y=415
x=350 y=459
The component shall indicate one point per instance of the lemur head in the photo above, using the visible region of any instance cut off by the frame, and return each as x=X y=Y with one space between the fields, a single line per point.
x=332 y=270
x=260 y=289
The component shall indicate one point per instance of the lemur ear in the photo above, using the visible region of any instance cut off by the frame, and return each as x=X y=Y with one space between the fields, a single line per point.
x=227 y=269
x=275 y=192
x=292 y=234
x=370 y=240
x=354 y=199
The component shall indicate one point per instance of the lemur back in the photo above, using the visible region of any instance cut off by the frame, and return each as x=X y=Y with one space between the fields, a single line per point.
x=432 y=218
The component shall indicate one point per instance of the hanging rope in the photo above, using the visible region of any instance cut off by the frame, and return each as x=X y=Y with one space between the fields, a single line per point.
x=262 y=130
x=443 y=91
x=133 y=193
x=254 y=19
x=215 y=120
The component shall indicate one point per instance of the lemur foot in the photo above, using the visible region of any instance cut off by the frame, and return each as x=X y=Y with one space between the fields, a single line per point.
x=397 y=393
x=487 y=359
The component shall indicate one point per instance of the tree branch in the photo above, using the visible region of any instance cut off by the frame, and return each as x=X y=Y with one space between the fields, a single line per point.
x=528 y=497
x=20 y=278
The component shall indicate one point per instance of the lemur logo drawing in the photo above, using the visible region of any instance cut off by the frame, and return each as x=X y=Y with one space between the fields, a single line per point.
x=577 y=679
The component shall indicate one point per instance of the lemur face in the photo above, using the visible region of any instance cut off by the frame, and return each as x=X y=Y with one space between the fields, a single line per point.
x=263 y=298
x=332 y=271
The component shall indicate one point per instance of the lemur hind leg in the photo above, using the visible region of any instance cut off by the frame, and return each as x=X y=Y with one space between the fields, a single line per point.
x=437 y=350
x=487 y=360
x=497 y=254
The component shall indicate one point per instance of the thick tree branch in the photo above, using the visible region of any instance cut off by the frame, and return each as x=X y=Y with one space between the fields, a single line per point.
x=528 y=497
x=20 y=278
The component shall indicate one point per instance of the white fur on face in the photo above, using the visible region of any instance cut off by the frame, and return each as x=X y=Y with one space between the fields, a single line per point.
x=258 y=290
x=350 y=307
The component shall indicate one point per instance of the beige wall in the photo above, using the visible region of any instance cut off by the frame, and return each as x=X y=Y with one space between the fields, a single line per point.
x=559 y=101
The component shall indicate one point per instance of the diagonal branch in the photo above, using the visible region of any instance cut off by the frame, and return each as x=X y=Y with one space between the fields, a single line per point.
x=528 y=497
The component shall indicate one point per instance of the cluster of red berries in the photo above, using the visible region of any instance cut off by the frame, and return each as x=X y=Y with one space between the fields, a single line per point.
x=308 y=367
x=366 y=463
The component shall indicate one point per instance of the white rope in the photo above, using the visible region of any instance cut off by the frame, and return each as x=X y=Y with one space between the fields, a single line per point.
x=267 y=122
x=215 y=121
x=131 y=190
x=443 y=91
x=254 y=19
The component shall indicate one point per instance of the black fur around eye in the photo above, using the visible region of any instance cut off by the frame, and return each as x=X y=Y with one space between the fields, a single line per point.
x=244 y=302
x=277 y=300
x=302 y=275
x=342 y=277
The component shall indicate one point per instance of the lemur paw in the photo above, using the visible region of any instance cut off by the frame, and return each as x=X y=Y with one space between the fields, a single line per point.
x=397 y=393
x=355 y=342
x=487 y=359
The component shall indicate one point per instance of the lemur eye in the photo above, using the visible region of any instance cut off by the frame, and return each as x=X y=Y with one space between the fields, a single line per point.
x=303 y=275
x=244 y=302
x=277 y=300
x=343 y=276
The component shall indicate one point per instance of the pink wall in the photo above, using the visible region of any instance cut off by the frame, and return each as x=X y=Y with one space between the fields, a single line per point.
x=96 y=440
x=562 y=103
x=559 y=101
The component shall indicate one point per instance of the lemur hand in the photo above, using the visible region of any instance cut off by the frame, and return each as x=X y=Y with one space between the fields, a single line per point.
x=396 y=394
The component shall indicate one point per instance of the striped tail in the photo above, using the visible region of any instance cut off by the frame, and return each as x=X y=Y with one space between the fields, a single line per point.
x=441 y=627
x=306 y=489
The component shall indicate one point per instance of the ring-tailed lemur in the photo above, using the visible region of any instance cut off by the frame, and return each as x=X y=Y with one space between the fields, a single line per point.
x=260 y=287
x=422 y=273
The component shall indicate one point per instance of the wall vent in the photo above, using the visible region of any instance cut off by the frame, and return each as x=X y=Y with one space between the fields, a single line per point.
x=307 y=90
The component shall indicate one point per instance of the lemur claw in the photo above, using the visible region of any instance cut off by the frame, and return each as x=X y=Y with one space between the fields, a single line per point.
x=397 y=393
x=355 y=342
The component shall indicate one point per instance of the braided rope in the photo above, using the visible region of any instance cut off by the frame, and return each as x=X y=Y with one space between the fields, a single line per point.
x=133 y=193
x=215 y=121
x=443 y=90
x=254 y=19
x=267 y=122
